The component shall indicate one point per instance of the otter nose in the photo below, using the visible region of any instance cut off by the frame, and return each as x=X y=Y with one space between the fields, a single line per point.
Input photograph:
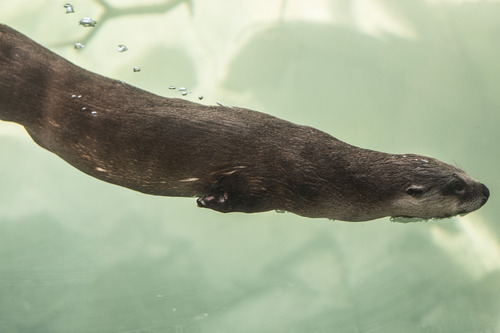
x=485 y=191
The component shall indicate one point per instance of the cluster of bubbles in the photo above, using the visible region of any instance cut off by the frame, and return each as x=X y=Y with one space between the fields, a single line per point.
x=184 y=91
x=88 y=22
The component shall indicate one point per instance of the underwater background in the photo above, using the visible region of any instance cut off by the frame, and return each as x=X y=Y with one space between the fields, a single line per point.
x=81 y=255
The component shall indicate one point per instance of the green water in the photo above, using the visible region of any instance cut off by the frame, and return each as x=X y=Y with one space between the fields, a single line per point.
x=80 y=255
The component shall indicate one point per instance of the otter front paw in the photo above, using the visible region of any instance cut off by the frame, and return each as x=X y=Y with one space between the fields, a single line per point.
x=226 y=202
x=215 y=202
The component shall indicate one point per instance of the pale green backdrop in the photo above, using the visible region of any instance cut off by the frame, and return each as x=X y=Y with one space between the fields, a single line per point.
x=81 y=255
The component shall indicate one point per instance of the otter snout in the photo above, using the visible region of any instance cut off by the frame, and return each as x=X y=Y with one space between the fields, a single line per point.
x=475 y=199
x=485 y=191
x=484 y=194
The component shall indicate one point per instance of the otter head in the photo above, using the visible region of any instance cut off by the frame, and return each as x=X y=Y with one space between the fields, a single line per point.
x=433 y=189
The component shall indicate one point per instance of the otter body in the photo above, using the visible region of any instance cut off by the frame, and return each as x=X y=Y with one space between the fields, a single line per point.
x=232 y=159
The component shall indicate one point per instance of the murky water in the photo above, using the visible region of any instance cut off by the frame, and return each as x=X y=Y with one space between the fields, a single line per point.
x=80 y=255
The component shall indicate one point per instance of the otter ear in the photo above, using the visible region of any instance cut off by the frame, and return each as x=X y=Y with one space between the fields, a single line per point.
x=415 y=190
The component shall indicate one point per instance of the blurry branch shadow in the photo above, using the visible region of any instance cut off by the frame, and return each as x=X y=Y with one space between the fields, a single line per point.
x=110 y=12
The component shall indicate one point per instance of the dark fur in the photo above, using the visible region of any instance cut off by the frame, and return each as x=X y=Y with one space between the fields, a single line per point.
x=234 y=159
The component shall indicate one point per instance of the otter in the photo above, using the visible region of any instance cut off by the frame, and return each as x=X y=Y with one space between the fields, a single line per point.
x=233 y=159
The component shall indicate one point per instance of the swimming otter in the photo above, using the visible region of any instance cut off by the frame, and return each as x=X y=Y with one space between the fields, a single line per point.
x=233 y=159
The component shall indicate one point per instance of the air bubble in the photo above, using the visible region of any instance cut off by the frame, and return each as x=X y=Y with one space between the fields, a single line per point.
x=69 y=8
x=122 y=48
x=79 y=46
x=182 y=89
x=200 y=97
x=136 y=69
x=88 y=22
x=280 y=211
x=171 y=87
x=184 y=93
x=93 y=113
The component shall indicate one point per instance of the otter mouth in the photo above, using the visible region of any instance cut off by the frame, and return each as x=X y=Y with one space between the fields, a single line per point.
x=409 y=219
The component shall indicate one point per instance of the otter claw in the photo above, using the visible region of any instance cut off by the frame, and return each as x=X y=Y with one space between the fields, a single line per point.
x=211 y=201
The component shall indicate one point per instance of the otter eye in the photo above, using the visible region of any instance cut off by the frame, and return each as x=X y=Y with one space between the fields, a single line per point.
x=415 y=191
